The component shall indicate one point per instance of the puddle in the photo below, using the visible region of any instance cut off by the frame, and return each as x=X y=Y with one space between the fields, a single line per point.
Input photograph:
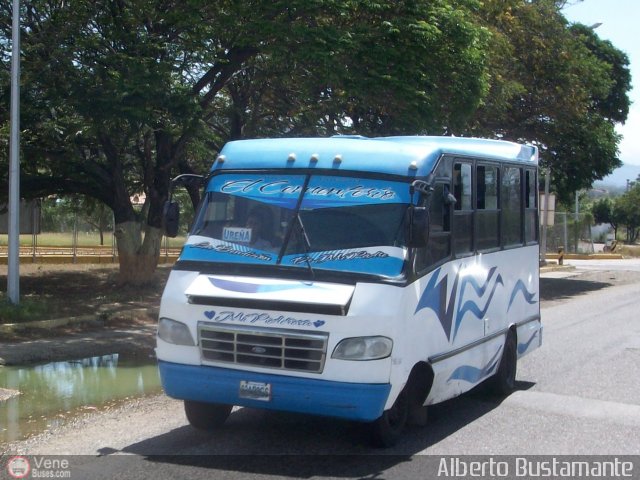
x=54 y=392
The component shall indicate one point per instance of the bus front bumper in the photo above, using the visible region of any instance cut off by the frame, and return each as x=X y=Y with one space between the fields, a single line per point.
x=353 y=401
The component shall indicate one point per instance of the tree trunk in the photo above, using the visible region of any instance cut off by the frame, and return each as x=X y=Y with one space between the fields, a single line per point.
x=138 y=258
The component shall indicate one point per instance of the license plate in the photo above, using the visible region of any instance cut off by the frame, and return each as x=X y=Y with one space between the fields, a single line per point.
x=255 y=391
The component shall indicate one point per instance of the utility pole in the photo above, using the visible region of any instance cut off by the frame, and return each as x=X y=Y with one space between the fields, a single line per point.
x=13 y=261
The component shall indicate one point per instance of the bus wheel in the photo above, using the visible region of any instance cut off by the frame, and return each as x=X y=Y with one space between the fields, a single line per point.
x=504 y=381
x=206 y=416
x=386 y=430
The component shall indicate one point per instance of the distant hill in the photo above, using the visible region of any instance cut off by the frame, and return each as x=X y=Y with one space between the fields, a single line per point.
x=618 y=179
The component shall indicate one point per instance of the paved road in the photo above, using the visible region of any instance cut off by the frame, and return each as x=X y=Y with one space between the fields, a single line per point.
x=631 y=264
x=579 y=394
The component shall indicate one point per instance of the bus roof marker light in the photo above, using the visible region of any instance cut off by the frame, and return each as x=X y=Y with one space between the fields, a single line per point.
x=291 y=157
x=221 y=158
x=413 y=165
x=337 y=158
x=314 y=158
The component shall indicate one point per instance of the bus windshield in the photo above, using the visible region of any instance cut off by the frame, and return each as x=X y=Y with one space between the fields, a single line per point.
x=315 y=222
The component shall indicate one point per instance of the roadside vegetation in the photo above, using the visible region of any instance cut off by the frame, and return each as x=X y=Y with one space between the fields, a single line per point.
x=621 y=212
x=119 y=97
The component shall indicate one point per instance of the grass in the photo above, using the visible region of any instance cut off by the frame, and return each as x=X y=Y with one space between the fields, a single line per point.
x=27 y=310
x=628 y=250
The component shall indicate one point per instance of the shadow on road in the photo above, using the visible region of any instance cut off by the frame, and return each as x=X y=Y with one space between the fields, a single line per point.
x=563 y=288
x=255 y=442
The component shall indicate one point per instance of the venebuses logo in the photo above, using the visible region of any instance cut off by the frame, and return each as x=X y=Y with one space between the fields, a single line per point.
x=18 y=467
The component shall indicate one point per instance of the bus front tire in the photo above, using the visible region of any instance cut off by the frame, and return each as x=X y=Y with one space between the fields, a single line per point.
x=387 y=430
x=503 y=382
x=206 y=416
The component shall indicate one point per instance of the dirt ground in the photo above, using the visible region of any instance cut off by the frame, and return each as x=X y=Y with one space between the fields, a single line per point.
x=123 y=319
x=80 y=289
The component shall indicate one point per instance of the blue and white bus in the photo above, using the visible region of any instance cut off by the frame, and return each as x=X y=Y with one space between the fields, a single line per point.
x=351 y=277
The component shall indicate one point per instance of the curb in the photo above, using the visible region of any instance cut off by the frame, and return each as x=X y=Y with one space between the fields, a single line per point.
x=591 y=256
x=556 y=268
x=99 y=318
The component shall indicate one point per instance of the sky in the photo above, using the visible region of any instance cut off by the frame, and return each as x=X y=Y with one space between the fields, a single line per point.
x=619 y=19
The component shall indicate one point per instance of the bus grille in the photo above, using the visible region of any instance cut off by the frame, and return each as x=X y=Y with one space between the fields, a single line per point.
x=263 y=347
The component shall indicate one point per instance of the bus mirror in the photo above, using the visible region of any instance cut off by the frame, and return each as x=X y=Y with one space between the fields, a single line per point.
x=171 y=217
x=419 y=227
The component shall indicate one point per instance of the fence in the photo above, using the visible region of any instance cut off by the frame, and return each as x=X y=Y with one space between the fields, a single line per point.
x=76 y=238
x=67 y=229
x=574 y=233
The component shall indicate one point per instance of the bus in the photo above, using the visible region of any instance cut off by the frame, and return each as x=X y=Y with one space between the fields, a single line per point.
x=352 y=277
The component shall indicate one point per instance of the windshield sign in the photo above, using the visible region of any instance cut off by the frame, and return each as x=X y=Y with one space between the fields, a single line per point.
x=313 y=222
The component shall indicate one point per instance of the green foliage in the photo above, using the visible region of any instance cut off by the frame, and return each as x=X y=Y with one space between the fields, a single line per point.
x=620 y=211
x=602 y=210
x=372 y=68
x=557 y=86
x=627 y=211
x=27 y=310
x=118 y=97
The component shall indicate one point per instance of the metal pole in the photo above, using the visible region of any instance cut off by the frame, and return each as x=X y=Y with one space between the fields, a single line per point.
x=545 y=218
x=576 y=218
x=113 y=237
x=74 y=238
x=34 y=231
x=13 y=260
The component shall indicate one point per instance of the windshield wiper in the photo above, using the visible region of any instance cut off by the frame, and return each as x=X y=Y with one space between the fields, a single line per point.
x=305 y=237
x=307 y=245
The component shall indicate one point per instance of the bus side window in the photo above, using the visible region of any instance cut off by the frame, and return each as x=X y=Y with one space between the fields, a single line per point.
x=439 y=246
x=487 y=208
x=511 y=198
x=531 y=207
x=463 y=212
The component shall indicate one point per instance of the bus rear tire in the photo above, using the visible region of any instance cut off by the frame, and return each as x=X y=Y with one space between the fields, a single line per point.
x=387 y=430
x=206 y=416
x=503 y=382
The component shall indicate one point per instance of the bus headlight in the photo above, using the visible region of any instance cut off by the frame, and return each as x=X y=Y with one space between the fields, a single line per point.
x=174 y=332
x=363 y=348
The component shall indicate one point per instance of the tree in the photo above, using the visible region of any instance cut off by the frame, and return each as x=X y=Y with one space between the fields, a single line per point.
x=627 y=211
x=603 y=212
x=557 y=86
x=119 y=95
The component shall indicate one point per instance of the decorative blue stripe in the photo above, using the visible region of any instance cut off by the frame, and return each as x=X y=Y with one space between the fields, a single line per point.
x=322 y=191
x=353 y=401
x=224 y=252
x=528 y=296
x=471 y=374
x=367 y=261
x=434 y=297
x=523 y=347
x=472 y=306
